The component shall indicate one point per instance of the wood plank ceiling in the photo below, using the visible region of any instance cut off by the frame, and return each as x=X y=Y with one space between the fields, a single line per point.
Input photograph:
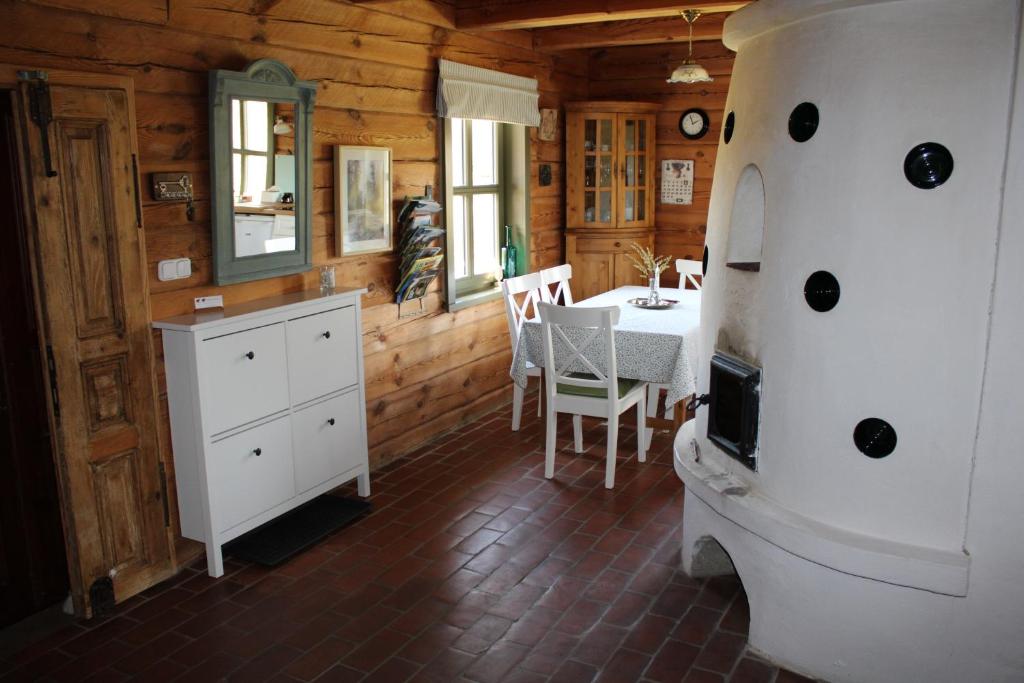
x=582 y=24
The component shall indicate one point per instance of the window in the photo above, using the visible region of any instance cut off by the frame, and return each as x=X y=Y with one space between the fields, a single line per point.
x=252 y=163
x=486 y=176
x=477 y=203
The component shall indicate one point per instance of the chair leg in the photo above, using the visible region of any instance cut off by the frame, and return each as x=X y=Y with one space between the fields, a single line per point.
x=652 y=411
x=551 y=429
x=517 y=406
x=577 y=432
x=613 y=442
x=642 y=438
x=540 y=397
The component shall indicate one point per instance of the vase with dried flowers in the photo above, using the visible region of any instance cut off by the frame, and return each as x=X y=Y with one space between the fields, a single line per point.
x=651 y=267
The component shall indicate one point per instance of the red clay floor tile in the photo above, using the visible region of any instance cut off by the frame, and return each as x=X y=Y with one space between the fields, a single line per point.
x=470 y=567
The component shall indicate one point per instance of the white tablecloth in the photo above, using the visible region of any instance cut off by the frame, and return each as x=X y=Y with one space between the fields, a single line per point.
x=653 y=346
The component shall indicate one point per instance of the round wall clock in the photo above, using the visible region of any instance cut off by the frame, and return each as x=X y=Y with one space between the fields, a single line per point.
x=694 y=123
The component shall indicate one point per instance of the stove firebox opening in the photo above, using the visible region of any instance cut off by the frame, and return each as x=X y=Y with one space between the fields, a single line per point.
x=733 y=407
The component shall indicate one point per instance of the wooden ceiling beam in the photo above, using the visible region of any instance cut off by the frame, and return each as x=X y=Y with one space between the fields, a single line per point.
x=619 y=33
x=548 y=13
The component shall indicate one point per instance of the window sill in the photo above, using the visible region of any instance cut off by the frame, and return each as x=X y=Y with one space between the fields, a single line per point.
x=483 y=296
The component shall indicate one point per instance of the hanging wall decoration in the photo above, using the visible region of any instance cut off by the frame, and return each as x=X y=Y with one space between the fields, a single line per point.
x=548 y=125
x=677 y=181
x=362 y=176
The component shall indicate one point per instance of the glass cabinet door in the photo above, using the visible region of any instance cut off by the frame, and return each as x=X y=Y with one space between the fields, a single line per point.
x=635 y=143
x=599 y=170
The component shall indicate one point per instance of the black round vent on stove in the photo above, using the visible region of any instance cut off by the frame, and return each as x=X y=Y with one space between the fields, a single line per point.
x=803 y=122
x=730 y=124
x=704 y=263
x=874 y=437
x=928 y=165
x=822 y=291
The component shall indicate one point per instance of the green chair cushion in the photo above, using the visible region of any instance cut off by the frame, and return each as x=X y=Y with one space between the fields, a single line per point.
x=625 y=385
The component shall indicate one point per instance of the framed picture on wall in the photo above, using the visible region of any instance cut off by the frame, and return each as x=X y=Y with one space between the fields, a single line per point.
x=362 y=199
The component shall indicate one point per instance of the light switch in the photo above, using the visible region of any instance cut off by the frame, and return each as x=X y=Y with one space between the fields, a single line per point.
x=184 y=268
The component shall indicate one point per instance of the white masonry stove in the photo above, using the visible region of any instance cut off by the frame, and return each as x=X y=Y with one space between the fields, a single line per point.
x=860 y=460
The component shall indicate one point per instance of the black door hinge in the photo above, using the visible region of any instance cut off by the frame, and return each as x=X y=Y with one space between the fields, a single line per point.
x=51 y=368
x=138 y=197
x=163 y=495
x=41 y=112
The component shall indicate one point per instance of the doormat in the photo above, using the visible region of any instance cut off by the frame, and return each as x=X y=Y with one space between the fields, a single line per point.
x=291 y=533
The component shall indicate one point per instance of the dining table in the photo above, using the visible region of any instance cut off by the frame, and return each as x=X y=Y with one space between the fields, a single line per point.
x=651 y=345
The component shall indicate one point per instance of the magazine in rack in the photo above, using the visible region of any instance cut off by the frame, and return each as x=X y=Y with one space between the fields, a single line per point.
x=420 y=259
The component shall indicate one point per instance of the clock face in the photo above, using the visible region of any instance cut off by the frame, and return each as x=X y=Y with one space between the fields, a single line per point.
x=693 y=124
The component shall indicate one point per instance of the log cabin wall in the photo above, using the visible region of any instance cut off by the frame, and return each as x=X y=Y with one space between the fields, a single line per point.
x=639 y=73
x=376 y=66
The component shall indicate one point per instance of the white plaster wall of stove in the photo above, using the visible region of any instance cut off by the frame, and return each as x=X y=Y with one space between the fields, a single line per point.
x=908 y=567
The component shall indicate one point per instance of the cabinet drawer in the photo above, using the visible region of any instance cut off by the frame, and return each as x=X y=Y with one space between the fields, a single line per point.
x=322 y=353
x=604 y=245
x=251 y=472
x=246 y=376
x=327 y=440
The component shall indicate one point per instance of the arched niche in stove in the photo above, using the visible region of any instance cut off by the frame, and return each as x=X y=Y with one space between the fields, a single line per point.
x=746 y=230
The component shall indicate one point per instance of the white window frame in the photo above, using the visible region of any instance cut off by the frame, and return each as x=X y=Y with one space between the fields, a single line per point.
x=471 y=283
x=513 y=208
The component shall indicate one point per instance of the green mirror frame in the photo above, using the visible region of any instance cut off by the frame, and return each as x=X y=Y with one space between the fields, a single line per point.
x=270 y=80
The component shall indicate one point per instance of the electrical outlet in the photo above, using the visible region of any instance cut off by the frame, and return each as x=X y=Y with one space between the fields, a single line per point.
x=215 y=301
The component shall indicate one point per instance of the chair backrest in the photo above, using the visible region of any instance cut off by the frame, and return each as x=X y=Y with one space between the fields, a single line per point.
x=568 y=332
x=529 y=285
x=559 y=275
x=690 y=269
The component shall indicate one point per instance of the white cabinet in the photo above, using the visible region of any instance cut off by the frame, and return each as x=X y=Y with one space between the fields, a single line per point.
x=251 y=233
x=267 y=404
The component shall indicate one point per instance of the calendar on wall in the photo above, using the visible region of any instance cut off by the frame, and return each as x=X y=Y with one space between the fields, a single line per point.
x=677 y=181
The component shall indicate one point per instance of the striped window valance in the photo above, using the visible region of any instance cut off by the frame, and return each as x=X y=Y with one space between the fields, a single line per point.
x=469 y=92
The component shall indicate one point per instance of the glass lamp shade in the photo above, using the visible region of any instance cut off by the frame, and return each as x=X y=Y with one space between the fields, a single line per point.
x=690 y=72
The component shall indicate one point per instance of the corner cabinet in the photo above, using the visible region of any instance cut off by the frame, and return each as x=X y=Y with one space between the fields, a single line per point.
x=267 y=406
x=610 y=191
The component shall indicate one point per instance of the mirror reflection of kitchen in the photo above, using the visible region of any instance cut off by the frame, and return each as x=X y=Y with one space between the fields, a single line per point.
x=263 y=176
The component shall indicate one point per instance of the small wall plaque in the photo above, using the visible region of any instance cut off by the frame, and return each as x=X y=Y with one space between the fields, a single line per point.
x=548 y=124
x=544 y=175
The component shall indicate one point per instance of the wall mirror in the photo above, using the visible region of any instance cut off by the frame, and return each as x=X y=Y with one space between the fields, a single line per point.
x=260 y=152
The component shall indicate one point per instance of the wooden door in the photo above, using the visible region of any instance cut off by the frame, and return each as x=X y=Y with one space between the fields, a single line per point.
x=635 y=187
x=591 y=167
x=94 y=308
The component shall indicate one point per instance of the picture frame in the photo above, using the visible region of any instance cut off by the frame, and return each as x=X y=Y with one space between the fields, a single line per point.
x=364 y=221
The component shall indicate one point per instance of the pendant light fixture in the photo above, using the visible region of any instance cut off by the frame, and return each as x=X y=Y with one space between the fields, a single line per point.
x=690 y=71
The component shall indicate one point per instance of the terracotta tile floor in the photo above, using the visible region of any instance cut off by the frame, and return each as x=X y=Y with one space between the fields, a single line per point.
x=471 y=567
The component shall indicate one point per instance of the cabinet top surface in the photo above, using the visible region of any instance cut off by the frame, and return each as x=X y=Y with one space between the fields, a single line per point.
x=294 y=302
x=613 y=106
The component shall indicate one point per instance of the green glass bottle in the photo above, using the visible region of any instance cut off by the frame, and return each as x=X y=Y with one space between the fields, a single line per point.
x=509 y=265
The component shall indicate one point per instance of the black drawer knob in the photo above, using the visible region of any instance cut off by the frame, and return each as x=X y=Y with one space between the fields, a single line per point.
x=257 y=452
x=327 y=334
x=250 y=355
x=330 y=421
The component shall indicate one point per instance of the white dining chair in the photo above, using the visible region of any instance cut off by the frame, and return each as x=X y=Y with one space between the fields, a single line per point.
x=529 y=286
x=690 y=270
x=559 y=276
x=596 y=393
